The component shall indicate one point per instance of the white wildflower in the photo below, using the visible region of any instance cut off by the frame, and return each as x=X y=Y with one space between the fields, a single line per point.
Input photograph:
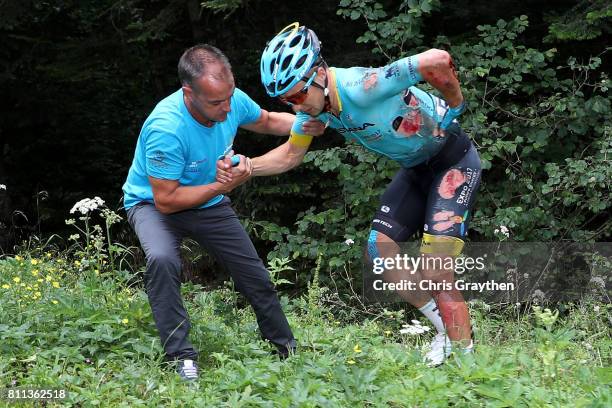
x=87 y=205
x=413 y=329
x=596 y=308
x=349 y=242
x=503 y=230
x=2 y=187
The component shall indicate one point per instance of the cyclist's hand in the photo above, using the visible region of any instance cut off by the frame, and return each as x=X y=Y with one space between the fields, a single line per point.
x=314 y=127
x=238 y=174
x=244 y=168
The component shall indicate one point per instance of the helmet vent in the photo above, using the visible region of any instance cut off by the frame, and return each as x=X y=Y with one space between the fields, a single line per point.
x=286 y=62
x=295 y=41
x=282 y=85
x=301 y=61
x=278 y=45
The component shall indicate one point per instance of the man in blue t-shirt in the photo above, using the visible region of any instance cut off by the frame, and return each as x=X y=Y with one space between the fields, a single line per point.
x=171 y=193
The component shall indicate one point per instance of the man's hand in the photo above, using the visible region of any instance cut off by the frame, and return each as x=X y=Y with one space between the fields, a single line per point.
x=314 y=127
x=232 y=177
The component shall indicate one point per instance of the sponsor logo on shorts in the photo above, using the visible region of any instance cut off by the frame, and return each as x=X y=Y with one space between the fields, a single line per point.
x=383 y=223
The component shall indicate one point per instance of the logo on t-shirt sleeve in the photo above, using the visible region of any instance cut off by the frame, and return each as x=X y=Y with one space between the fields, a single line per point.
x=158 y=160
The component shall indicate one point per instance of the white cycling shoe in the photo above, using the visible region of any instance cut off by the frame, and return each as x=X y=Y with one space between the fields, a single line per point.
x=440 y=350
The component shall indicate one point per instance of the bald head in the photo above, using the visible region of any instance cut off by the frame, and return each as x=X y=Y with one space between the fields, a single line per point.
x=203 y=60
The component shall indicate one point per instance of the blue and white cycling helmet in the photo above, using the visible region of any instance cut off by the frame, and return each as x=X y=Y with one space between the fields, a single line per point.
x=288 y=57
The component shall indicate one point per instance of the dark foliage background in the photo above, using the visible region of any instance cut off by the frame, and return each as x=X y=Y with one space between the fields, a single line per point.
x=78 y=78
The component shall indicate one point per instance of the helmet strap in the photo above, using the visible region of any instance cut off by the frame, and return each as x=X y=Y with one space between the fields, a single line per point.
x=327 y=107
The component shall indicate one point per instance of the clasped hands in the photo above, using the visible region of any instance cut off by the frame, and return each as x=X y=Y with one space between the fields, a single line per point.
x=232 y=177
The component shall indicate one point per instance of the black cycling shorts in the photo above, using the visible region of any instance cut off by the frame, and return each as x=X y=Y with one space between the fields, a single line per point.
x=436 y=196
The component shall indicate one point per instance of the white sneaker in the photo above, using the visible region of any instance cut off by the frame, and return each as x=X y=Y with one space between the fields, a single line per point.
x=188 y=370
x=440 y=350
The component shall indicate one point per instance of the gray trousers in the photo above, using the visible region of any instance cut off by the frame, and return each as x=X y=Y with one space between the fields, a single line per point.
x=218 y=230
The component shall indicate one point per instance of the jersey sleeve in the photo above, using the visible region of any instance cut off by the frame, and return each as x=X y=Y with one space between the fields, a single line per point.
x=249 y=109
x=164 y=155
x=297 y=135
x=381 y=83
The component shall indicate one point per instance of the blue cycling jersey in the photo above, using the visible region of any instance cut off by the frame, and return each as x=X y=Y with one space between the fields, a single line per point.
x=381 y=110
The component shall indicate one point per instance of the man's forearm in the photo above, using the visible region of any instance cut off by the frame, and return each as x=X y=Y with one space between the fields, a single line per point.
x=280 y=123
x=188 y=197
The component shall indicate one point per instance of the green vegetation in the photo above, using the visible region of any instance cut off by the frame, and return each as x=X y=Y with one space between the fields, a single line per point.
x=71 y=321
x=79 y=78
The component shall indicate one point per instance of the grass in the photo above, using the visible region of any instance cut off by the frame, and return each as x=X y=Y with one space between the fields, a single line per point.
x=66 y=326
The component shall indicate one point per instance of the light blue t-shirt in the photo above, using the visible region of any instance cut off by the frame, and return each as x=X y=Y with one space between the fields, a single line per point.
x=381 y=110
x=173 y=146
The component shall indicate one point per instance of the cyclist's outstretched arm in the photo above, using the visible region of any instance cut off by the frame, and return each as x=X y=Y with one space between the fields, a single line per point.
x=281 y=159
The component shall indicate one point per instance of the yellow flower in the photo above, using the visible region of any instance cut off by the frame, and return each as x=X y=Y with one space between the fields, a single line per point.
x=77 y=263
x=34 y=261
x=5 y=286
x=22 y=285
x=18 y=258
x=35 y=272
x=29 y=287
x=17 y=279
x=388 y=332
x=351 y=361
x=48 y=254
x=38 y=294
x=56 y=284
x=125 y=321
x=40 y=280
x=48 y=278
x=55 y=302
x=356 y=349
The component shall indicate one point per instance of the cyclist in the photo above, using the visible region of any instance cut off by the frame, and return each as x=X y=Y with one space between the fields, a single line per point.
x=383 y=110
